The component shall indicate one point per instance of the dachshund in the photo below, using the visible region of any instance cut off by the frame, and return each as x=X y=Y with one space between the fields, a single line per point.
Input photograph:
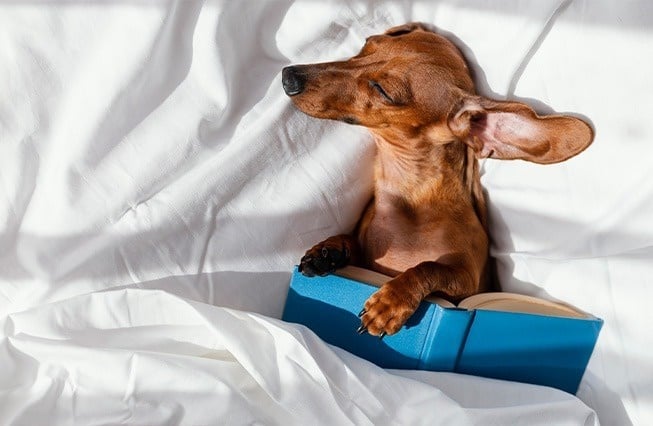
x=426 y=224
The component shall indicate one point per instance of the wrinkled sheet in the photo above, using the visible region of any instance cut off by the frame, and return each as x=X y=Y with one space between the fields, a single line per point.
x=157 y=187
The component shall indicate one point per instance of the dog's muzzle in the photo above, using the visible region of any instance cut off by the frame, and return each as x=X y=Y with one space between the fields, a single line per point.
x=293 y=80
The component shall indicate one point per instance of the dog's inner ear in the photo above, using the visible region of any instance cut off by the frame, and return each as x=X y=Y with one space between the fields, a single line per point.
x=512 y=130
x=404 y=29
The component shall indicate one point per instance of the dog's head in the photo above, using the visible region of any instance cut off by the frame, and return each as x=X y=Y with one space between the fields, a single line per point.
x=407 y=77
x=411 y=82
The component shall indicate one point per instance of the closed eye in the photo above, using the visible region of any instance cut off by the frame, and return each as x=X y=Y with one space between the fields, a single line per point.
x=376 y=86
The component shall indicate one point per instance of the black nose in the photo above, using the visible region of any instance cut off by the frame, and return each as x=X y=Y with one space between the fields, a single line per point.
x=293 y=80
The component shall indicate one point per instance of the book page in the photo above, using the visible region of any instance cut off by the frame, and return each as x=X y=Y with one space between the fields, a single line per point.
x=496 y=301
x=377 y=280
x=512 y=302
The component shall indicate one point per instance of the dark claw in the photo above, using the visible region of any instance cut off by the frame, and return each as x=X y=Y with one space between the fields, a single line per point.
x=304 y=266
x=325 y=252
x=306 y=269
x=361 y=330
x=362 y=312
x=382 y=335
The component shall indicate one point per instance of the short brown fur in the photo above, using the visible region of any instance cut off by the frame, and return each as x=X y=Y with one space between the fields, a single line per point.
x=426 y=224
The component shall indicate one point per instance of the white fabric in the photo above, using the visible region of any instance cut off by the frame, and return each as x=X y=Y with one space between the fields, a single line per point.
x=157 y=187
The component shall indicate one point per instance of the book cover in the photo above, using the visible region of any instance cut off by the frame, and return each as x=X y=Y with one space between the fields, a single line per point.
x=541 y=343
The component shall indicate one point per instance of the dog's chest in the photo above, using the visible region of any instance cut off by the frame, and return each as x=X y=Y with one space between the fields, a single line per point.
x=396 y=239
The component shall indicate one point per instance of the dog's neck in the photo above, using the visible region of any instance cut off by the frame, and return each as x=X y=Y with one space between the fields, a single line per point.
x=418 y=169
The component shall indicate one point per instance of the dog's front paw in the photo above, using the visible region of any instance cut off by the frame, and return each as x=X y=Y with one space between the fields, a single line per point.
x=325 y=257
x=387 y=310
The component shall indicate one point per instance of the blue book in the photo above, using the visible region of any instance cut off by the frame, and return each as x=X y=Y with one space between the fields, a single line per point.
x=499 y=335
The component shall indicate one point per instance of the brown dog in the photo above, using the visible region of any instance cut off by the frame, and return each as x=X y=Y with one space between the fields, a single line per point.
x=426 y=224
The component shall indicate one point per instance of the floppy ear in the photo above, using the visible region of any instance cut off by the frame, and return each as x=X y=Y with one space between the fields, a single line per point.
x=405 y=29
x=512 y=130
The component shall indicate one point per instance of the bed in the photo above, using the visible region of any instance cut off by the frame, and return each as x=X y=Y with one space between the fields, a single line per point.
x=157 y=188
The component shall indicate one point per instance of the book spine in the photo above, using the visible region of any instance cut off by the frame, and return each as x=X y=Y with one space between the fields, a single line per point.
x=445 y=339
x=463 y=342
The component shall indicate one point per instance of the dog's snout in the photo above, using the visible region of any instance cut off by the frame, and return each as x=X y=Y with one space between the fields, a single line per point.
x=293 y=80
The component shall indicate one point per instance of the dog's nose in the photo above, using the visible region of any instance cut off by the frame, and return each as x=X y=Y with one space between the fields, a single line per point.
x=293 y=80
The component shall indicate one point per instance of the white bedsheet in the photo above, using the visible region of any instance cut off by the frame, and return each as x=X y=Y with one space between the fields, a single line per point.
x=156 y=187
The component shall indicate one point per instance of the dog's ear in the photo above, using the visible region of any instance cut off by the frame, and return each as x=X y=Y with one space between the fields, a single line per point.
x=512 y=130
x=405 y=29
